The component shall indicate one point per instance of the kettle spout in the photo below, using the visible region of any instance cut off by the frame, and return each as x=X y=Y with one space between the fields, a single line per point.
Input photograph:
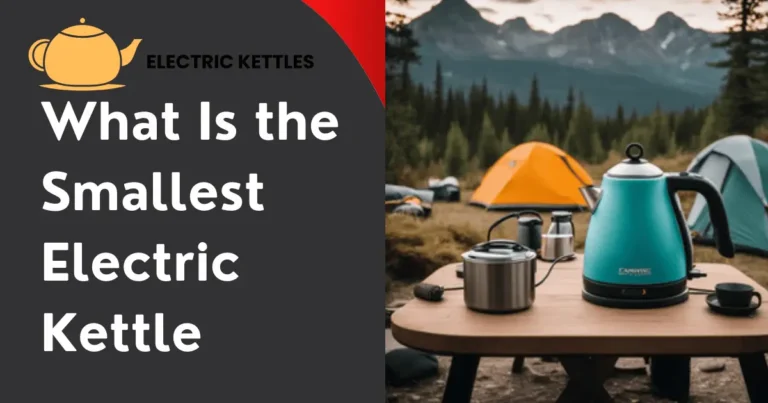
x=127 y=54
x=591 y=195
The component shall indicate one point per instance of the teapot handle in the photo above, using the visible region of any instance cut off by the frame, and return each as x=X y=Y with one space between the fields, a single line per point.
x=33 y=60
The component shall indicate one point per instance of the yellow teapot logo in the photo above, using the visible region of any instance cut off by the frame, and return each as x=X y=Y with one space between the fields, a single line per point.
x=81 y=58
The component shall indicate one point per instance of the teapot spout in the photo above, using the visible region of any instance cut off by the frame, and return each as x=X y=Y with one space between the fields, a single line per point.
x=591 y=195
x=127 y=54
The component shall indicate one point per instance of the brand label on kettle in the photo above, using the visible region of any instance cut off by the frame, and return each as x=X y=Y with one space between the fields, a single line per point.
x=634 y=271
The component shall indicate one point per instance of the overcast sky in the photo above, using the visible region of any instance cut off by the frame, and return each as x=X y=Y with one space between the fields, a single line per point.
x=551 y=15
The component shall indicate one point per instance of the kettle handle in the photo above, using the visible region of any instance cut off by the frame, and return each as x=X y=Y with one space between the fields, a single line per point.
x=507 y=217
x=686 y=181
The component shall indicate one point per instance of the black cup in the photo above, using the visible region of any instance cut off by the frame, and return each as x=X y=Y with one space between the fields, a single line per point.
x=736 y=295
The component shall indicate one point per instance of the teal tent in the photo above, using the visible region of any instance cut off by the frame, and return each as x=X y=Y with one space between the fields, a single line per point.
x=738 y=166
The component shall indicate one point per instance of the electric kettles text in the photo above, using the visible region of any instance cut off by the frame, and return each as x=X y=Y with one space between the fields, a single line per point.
x=638 y=250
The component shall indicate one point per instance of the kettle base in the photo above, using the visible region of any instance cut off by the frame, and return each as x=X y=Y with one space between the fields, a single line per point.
x=625 y=303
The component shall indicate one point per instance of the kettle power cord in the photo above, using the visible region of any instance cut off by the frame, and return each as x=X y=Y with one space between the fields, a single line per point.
x=552 y=266
x=696 y=273
x=434 y=293
x=692 y=290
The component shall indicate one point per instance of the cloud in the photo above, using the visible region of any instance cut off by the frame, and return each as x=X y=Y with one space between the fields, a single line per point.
x=486 y=10
x=516 y=1
x=586 y=8
x=547 y=17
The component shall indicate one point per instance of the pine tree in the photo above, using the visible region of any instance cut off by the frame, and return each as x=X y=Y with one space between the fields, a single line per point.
x=539 y=133
x=558 y=126
x=534 y=103
x=405 y=83
x=582 y=139
x=685 y=129
x=512 y=119
x=633 y=119
x=402 y=132
x=640 y=132
x=450 y=112
x=619 y=122
x=438 y=109
x=742 y=109
x=661 y=141
x=546 y=115
x=461 y=108
x=499 y=114
x=505 y=144
x=456 y=152
x=418 y=101
x=401 y=142
x=489 y=149
x=400 y=48
x=711 y=131
x=426 y=151
x=570 y=106
x=475 y=119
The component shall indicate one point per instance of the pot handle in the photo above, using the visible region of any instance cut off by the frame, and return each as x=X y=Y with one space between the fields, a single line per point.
x=507 y=217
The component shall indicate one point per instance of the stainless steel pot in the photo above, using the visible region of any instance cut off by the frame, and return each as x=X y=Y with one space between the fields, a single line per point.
x=554 y=246
x=499 y=277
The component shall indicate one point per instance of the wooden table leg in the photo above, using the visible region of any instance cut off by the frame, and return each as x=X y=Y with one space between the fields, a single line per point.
x=461 y=379
x=517 y=365
x=586 y=376
x=671 y=377
x=755 y=373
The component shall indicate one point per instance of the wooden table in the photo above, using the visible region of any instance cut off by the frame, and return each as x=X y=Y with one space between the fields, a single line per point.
x=587 y=339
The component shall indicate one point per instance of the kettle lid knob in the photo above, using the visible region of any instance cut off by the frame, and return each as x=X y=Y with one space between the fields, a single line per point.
x=634 y=166
x=634 y=152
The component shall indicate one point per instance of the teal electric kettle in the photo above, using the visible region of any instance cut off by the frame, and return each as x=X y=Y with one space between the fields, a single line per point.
x=638 y=252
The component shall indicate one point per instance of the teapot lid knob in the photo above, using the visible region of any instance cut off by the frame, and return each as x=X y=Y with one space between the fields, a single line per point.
x=634 y=152
x=82 y=20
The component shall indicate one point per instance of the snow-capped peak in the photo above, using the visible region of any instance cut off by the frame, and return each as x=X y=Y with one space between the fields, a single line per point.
x=670 y=37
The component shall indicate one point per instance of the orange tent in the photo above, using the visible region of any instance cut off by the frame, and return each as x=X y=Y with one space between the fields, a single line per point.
x=533 y=176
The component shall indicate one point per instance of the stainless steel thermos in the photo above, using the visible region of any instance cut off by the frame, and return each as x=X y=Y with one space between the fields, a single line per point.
x=559 y=239
x=529 y=232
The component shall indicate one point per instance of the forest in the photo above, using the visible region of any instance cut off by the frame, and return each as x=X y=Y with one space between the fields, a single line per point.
x=455 y=131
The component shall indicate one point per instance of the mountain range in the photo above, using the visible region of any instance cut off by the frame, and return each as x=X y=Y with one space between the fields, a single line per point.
x=608 y=59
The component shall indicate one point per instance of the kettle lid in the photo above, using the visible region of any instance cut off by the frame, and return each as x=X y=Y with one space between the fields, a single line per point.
x=82 y=30
x=634 y=166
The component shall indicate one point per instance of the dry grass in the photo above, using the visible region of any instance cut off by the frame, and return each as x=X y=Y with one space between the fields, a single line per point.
x=415 y=248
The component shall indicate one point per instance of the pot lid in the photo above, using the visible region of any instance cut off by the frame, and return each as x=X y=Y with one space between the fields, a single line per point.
x=500 y=251
x=528 y=220
x=634 y=166
x=82 y=30
x=561 y=215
